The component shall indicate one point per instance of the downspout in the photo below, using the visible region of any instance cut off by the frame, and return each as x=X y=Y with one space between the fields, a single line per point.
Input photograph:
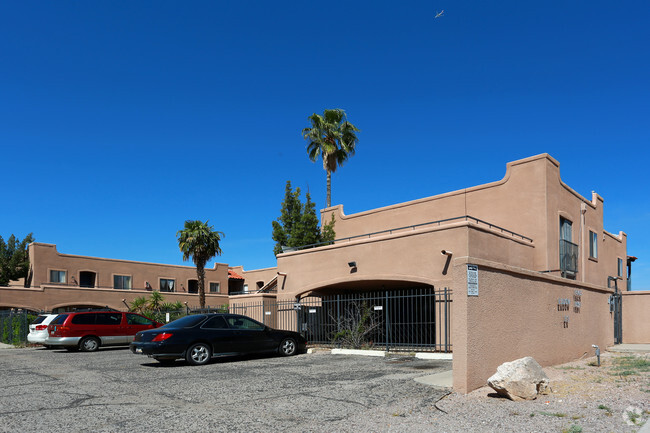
x=583 y=265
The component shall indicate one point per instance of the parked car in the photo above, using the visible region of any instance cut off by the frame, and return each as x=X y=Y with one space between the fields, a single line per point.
x=89 y=330
x=198 y=338
x=38 y=329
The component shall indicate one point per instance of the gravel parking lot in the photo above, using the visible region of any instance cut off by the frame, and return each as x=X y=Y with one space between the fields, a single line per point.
x=114 y=390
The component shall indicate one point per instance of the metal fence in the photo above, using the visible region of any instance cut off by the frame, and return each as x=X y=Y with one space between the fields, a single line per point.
x=409 y=319
x=14 y=326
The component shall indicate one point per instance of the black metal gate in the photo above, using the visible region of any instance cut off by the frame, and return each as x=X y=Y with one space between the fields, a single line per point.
x=408 y=319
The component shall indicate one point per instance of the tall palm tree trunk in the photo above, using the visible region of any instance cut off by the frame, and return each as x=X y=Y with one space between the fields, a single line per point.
x=329 y=188
x=200 y=273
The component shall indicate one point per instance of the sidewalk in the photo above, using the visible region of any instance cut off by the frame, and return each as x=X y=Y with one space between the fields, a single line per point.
x=630 y=348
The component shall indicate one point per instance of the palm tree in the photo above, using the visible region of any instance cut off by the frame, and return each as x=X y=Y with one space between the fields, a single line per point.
x=201 y=242
x=332 y=138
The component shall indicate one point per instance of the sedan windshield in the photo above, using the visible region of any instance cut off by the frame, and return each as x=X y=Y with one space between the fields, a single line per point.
x=186 y=322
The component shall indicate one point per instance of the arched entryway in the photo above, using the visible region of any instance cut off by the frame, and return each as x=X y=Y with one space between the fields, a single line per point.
x=387 y=314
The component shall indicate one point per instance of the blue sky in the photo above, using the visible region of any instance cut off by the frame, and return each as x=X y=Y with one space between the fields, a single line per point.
x=120 y=120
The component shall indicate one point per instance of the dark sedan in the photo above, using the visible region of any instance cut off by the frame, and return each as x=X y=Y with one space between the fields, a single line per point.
x=198 y=338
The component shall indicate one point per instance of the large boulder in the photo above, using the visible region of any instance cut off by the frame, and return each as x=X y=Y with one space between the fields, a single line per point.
x=522 y=379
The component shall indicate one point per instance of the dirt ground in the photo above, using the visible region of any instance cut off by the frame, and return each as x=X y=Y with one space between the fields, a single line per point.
x=614 y=397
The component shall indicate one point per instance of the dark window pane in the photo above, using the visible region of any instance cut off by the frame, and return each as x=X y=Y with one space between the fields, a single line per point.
x=216 y=322
x=84 y=319
x=109 y=318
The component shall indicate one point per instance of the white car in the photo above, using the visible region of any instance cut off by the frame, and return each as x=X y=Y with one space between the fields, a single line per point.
x=38 y=328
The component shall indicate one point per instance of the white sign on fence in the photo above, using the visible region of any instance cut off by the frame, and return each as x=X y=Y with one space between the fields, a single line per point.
x=472 y=280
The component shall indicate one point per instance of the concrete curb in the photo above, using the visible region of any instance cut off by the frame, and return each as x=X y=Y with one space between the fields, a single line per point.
x=358 y=352
x=428 y=355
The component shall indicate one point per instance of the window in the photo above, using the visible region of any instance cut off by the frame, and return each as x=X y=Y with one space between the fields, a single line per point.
x=109 y=318
x=122 y=282
x=565 y=230
x=58 y=320
x=619 y=267
x=216 y=322
x=166 y=285
x=237 y=322
x=593 y=245
x=84 y=319
x=135 y=319
x=215 y=287
x=568 y=250
x=57 y=276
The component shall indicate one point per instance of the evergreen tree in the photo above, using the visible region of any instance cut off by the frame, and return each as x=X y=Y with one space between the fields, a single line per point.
x=298 y=223
x=310 y=232
x=14 y=259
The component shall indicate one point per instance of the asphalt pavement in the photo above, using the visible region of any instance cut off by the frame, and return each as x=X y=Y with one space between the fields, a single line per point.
x=114 y=390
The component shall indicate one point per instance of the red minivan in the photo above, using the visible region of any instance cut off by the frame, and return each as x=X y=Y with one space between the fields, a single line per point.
x=88 y=330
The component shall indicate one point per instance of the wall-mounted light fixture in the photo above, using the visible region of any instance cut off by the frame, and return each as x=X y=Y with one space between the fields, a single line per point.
x=352 y=264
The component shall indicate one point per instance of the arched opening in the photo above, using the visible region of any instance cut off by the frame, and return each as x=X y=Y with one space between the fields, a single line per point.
x=387 y=314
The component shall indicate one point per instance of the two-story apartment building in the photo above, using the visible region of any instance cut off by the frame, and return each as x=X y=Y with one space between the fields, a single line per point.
x=532 y=270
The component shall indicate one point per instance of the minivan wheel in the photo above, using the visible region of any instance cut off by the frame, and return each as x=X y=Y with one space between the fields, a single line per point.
x=89 y=344
x=198 y=354
x=288 y=347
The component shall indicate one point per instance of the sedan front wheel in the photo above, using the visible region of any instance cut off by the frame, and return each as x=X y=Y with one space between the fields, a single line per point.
x=198 y=354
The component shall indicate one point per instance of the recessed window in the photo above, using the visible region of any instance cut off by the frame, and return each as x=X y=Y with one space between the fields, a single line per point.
x=215 y=287
x=57 y=276
x=167 y=285
x=593 y=245
x=565 y=230
x=619 y=267
x=122 y=282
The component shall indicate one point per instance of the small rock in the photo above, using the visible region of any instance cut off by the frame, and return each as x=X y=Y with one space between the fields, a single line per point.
x=522 y=379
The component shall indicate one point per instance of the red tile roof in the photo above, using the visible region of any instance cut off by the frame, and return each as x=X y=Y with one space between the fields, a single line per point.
x=233 y=275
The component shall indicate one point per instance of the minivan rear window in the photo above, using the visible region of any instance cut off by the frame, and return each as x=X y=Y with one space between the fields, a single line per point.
x=38 y=320
x=58 y=320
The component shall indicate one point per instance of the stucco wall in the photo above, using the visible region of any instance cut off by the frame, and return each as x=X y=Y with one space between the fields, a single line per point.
x=516 y=315
x=636 y=317
x=529 y=200
x=46 y=257
x=45 y=298
x=256 y=276
x=404 y=258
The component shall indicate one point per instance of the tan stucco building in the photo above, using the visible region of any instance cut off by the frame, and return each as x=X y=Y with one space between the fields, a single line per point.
x=532 y=242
